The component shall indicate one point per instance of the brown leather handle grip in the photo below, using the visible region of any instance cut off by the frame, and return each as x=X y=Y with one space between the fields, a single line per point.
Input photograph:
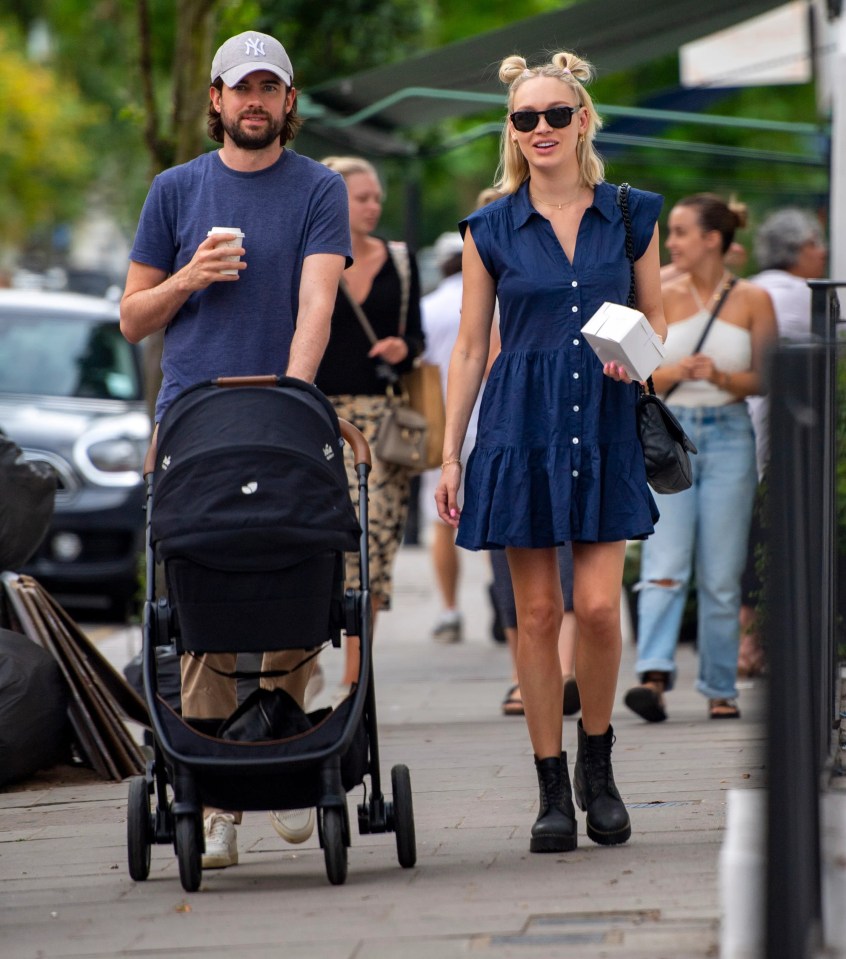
x=264 y=380
x=358 y=444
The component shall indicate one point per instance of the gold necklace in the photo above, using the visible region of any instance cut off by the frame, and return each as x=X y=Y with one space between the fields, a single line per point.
x=717 y=290
x=558 y=206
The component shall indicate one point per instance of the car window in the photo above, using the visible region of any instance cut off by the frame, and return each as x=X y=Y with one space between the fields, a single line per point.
x=67 y=356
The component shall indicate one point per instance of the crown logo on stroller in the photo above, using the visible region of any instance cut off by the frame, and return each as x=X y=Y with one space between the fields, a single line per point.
x=328 y=452
x=249 y=488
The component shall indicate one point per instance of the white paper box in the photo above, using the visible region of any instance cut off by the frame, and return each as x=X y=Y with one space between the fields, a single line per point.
x=621 y=335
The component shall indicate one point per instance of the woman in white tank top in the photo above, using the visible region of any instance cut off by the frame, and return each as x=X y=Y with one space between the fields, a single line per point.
x=706 y=528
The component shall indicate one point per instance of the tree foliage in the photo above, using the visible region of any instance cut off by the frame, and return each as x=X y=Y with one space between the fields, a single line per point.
x=45 y=162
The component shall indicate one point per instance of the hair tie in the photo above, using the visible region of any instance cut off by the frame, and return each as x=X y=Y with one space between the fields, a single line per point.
x=565 y=70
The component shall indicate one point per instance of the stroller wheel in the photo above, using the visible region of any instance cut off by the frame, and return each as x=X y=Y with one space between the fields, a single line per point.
x=189 y=851
x=403 y=816
x=334 y=847
x=138 y=829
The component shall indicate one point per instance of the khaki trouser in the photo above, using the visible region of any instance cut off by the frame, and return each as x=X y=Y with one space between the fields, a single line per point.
x=206 y=695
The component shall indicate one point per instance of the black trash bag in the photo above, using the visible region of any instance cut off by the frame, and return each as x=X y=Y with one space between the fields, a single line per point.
x=34 y=726
x=266 y=714
x=168 y=675
x=27 y=496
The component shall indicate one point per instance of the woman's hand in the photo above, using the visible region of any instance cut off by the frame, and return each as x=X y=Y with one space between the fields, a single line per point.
x=392 y=349
x=446 y=495
x=616 y=371
x=701 y=367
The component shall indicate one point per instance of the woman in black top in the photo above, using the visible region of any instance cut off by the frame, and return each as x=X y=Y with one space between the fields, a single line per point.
x=355 y=373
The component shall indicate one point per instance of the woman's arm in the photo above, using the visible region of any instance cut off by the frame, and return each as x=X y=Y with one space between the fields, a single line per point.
x=466 y=371
x=647 y=300
x=763 y=331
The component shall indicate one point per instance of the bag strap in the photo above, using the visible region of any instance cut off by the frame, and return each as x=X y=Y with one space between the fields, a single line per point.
x=726 y=290
x=255 y=673
x=402 y=264
x=369 y=332
x=623 y=203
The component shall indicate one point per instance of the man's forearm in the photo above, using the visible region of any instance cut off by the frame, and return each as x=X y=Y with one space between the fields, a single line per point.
x=147 y=311
x=307 y=347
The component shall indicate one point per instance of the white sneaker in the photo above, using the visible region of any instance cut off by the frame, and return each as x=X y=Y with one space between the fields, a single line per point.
x=293 y=825
x=341 y=693
x=448 y=629
x=221 y=841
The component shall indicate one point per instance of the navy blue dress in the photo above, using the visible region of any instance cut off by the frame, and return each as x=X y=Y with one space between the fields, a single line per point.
x=557 y=457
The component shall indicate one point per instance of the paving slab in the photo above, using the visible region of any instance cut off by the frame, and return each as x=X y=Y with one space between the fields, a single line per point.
x=476 y=890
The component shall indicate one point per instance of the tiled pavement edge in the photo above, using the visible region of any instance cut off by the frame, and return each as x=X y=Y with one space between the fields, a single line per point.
x=476 y=890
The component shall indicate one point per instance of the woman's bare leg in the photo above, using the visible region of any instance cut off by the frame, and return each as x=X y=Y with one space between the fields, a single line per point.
x=597 y=585
x=540 y=607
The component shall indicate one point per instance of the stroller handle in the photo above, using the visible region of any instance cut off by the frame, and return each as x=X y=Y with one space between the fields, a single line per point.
x=358 y=444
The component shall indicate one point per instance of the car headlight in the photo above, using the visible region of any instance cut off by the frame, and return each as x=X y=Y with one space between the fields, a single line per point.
x=112 y=453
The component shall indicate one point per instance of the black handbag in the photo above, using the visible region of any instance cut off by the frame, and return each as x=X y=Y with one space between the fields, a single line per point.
x=666 y=446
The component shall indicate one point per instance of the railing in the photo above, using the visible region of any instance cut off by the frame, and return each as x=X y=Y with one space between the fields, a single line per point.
x=800 y=618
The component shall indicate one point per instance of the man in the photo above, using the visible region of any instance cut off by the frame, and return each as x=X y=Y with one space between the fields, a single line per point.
x=267 y=313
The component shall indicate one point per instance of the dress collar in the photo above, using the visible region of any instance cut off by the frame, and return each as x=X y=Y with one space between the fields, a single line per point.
x=604 y=200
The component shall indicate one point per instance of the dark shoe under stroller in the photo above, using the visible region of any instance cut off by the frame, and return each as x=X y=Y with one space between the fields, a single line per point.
x=248 y=510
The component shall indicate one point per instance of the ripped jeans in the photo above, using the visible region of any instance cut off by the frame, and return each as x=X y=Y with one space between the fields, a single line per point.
x=706 y=528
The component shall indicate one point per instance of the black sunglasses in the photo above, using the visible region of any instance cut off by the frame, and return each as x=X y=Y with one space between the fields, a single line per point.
x=557 y=117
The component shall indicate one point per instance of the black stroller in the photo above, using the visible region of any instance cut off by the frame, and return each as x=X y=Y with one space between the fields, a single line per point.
x=248 y=508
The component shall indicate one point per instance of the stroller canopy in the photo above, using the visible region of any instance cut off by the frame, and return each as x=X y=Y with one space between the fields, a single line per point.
x=251 y=478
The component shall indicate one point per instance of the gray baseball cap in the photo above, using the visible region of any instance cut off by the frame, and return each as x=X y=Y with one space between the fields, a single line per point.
x=247 y=53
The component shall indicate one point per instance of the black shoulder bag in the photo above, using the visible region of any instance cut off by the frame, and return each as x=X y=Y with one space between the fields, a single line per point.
x=666 y=446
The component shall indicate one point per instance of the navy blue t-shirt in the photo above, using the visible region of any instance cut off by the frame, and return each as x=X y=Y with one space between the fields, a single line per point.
x=288 y=211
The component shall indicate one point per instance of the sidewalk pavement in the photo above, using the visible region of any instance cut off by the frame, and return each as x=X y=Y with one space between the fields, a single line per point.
x=476 y=890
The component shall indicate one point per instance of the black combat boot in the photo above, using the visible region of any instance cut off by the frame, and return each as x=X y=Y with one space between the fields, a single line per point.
x=593 y=783
x=555 y=828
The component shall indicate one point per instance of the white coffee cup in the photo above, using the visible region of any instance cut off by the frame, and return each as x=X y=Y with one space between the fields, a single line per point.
x=238 y=241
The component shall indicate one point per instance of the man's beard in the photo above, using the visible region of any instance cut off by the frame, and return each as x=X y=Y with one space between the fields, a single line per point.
x=257 y=140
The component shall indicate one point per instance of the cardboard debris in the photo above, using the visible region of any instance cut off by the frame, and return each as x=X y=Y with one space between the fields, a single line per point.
x=100 y=699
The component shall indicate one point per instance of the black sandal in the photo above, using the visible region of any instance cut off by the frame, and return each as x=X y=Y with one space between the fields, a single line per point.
x=723 y=709
x=646 y=700
x=512 y=705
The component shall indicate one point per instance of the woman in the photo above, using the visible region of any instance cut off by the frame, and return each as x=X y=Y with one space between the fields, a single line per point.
x=707 y=525
x=557 y=458
x=356 y=374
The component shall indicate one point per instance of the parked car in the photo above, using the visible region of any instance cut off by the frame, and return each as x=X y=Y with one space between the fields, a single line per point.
x=71 y=394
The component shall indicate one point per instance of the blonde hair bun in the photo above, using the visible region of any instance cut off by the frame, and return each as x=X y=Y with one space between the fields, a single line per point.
x=511 y=68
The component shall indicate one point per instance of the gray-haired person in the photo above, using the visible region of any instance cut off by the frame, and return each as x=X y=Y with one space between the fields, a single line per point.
x=790 y=250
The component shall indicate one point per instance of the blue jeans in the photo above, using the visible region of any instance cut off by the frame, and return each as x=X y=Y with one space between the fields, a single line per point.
x=706 y=527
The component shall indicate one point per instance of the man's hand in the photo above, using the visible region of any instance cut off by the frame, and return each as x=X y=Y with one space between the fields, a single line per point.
x=207 y=265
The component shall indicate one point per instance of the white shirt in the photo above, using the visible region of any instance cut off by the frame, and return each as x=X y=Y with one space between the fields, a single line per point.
x=791 y=298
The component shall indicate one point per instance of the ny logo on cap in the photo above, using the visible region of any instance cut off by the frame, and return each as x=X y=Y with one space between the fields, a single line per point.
x=255 y=47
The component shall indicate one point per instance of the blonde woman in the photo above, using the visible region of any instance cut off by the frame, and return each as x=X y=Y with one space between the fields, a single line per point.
x=355 y=373
x=557 y=459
